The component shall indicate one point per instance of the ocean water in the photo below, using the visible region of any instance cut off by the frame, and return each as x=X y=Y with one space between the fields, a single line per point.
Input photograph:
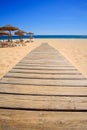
x=50 y=36
x=62 y=36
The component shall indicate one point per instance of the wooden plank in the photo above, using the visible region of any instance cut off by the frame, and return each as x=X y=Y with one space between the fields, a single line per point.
x=45 y=82
x=45 y=76
x=40 y=67
x=44 y=56
x=45 y=50
x=40 y=49
x=47 y=54
x=54 y=53
x=53 y=103
x=36 y=102
x=35 y=120
x=53 y=58
x=46 y=71
x=35 y=57
x=45 y=60
x=46 y=90
x=46 y=63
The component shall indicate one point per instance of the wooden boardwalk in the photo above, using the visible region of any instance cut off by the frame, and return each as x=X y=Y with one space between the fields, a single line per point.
x=43 y=92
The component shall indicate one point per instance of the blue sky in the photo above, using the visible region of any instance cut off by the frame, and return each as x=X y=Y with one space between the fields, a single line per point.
x=68 y=17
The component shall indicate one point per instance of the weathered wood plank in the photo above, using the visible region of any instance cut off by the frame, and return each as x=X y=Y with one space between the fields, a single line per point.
x=36 y=102
x=44 y=56
x=57 y=55
x=35 y=120
x=43 y=102
x=50 y=82
x=37 y=57
x=45 y=62
x=46 y=90
x=45 y=71
x=44 y=76
x=40 y=67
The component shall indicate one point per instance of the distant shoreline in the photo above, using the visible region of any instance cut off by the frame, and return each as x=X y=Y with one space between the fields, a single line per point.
x=61 y=36
x=49 y=37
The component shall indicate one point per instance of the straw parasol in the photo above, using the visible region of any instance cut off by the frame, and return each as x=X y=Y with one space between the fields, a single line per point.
x=30 y=35
x=20 y=33
x=2 y=33
x=9 y=28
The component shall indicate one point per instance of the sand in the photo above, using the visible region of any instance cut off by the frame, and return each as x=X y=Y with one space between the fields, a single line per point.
x=9 y=57
x=75 y=50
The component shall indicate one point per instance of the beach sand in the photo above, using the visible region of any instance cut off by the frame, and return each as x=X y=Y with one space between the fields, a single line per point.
x=75 y=50
x=9 y=57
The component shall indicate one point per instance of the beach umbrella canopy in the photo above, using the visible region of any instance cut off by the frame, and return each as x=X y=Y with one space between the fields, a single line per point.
x=2 y=33
x=30 y=34
x=20 y=33
x=9 y=28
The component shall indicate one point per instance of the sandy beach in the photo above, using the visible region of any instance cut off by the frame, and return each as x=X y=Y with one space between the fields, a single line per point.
x=11 y=56
x=75 y=50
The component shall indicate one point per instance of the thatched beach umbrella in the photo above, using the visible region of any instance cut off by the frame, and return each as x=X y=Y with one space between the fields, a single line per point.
x=30 y=35
x=2 y=33
x=9 y=28
x=20 y=33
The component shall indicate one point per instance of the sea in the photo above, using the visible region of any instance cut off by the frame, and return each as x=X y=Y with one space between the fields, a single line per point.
x=49 y=37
